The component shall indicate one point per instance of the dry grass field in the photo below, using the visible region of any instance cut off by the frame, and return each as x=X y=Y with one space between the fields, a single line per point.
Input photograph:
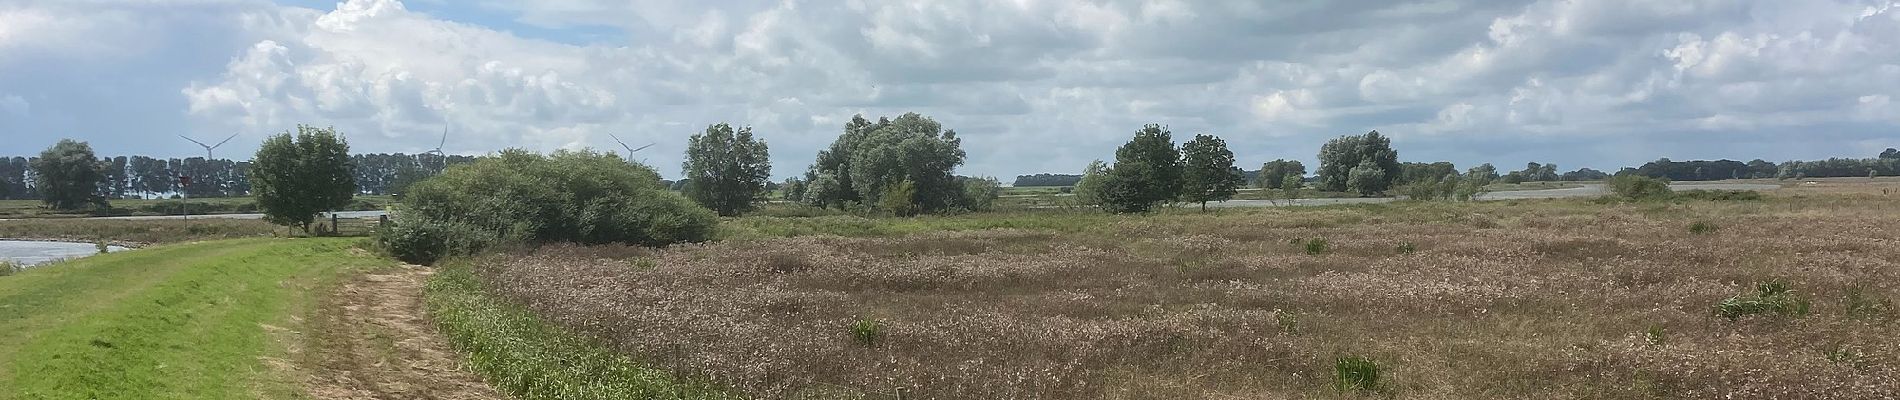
x=1531 y=299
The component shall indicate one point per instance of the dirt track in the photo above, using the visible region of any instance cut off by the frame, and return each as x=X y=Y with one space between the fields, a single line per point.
x=372 y=341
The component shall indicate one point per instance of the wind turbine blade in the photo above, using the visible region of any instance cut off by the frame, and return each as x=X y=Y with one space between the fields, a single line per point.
x=445 y=138
x=623 y=144
x=226 y=140
x=195 y=141
x=642 y=147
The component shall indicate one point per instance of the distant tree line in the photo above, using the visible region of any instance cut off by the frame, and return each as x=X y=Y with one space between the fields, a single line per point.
x=1047 y=180
x=126 y=177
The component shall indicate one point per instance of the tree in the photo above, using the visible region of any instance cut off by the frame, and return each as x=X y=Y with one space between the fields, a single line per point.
x=1273 y=173
x=1414 y=172
x=1147 y=172
x=1483 y=174
x=1367 y=178
x=1207 y=171
x=297 y=178
x=69 y=176
x=1290 y=185
x=1088 y=191
x=728 y=168
x=793 y=190
x=1891 y=153
x=979 y=194
x=1339 y=157
x=869 y=157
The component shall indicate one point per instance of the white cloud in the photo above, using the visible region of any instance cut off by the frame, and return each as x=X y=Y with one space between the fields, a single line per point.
x=1032 y=86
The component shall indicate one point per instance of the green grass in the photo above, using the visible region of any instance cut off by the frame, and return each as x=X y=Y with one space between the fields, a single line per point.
x=525 y=357
x=140 y=231
x=180 y=321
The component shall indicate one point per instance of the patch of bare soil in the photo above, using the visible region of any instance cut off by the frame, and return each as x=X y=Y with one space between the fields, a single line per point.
x=372 y=340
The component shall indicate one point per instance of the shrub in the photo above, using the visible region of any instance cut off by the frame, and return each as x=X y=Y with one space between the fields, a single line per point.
x=1407 y=248
x=1772 y=297
x=1316 y=246
x=102 y=246
x=1655 y=336
x=582 y=197
x=1638 y=187
x=1355 y=373
x=867 y=332
x=1702 y=228
x=8 y=268
x=1719 y=195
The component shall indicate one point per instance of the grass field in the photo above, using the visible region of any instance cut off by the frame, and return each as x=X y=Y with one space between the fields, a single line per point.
x=1788 y=297
x=136 y=232
x=179 y=321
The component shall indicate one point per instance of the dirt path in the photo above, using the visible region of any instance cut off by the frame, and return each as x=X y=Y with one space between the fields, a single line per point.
x=372 y=341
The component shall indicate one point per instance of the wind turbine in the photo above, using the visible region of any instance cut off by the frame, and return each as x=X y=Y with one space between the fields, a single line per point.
x=209 y=147
x=442 y=159
x=630 y=149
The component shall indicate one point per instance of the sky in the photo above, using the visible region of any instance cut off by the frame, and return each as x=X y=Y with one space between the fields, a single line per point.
x=1031 y=86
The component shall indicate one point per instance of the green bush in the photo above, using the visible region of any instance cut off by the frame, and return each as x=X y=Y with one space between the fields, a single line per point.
x=867 y=332
x=1355 y=373
x=1638 y=187
x=1407 y=248
x=1702 y=228
x=1719 y=195
x=1316 y=246
x=8 y=268
x=581 y=197
x=1772 y=297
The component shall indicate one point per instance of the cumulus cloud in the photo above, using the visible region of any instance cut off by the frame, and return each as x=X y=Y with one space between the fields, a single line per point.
x=1031 y=86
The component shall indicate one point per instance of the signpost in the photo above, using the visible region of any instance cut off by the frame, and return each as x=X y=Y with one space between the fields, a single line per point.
x=184 y=207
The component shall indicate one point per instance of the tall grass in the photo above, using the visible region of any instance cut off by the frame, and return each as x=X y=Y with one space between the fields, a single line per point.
x=521 y=355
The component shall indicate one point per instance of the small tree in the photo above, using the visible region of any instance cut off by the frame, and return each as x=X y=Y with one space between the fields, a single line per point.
x=69 y=176
x=295 y=179
x=1273 y=173
x=1088 y=191
x=900 y=199
x=1483 y=174
x=979 y=194
x=1291 y=185
x=728 y=169
x=1208 y=171
x=1147 y=172
x=1339 y=157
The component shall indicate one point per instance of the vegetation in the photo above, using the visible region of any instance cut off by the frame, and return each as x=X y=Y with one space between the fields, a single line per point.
x=519 y=196
x=1533 y=172
x=1273 y=174
x=69 y=176
x=1355 y=373
x=1158 y=299
x=525 y=357
x=1088 y=191
x=1364 y=164
x=183 y=321
x=1637 y=187
x=1430 y=173
x=729 y=169
x=298 y=177
x=1207 y=171
x=1484 y=174
x=1047 y=180
x=1771 y=297
x=1147 y=173
x=870 y=158
x=136 y=231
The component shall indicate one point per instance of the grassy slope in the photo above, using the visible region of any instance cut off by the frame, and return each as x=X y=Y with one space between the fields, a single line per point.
x=183 y=321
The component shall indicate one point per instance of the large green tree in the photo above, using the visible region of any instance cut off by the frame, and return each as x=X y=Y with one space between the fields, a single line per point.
x=298 y=177
x=1147 y=172
x=1340 y=157
x=69 y=176
x=1483 y=174
x=1273 y=174
x=729 y=169
x=870 y=158
x=1208 y=172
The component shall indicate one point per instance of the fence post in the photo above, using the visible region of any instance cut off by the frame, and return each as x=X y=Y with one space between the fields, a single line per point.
x=334 y=228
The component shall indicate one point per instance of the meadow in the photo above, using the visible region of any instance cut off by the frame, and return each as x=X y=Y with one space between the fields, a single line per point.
x=146 y=207
x=1784 y=297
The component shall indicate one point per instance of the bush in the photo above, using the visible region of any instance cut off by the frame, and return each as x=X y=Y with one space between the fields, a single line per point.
x=1407 y=248
x=8 y=268
x=1316 y=246
x=1355 y=373
x=1702 y=228
x=1719 y=195
x=582 y=197
x=1772 y=297
x=867 y=332
x=1638 y=187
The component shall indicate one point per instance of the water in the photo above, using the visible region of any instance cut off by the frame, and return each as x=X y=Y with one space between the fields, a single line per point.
x=34 y=253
